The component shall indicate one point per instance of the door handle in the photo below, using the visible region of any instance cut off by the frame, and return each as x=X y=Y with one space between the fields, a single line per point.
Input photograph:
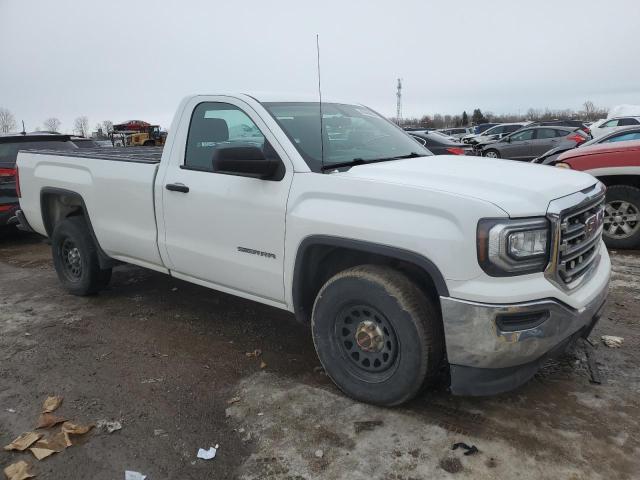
x=177 y=187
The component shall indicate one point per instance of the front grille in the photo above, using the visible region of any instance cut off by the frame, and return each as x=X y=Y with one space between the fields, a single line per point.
x=580 y=231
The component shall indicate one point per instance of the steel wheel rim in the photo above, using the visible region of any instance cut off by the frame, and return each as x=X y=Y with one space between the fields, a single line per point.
x=356 y=329
x=621 y=219
x=71 y=260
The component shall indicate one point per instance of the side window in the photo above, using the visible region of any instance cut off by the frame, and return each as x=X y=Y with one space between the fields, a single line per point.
x=523 y=135
x=610 y=123
x=627 y=121
x=545 y=133
x=624 y=137
x=214 y=125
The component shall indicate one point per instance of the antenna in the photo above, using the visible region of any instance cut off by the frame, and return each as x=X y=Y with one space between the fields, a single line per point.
x=320 y=104
x=399 y=104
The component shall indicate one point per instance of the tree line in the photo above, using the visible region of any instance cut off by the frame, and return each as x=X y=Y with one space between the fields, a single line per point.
x=8 y=124
x=589 y=112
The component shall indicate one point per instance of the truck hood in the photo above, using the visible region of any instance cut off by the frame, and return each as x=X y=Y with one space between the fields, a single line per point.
x=520 y=189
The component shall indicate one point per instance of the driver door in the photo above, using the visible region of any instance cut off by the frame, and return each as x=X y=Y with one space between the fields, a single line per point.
x=221 y=230
x=519 y=145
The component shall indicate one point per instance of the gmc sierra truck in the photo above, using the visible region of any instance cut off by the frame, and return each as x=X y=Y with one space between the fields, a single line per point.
x=405 y=265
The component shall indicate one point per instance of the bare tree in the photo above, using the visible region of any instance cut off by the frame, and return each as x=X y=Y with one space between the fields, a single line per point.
x=51 y=124
x=107 y=127
x=81 y=126
x=7 y=121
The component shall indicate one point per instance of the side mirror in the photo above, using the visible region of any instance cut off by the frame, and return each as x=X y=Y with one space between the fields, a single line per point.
x=246 y=161
x=506 y=139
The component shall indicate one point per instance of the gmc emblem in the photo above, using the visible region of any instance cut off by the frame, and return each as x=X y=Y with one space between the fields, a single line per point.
x=593 y=223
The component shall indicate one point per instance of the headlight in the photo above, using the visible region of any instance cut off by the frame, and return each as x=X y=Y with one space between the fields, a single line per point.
x=562 y=165
x=513 y=247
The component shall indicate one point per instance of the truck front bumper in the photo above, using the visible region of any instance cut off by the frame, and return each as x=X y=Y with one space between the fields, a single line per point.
x=495 y=348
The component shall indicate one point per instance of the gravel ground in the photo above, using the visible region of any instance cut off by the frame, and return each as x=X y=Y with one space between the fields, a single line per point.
x=169 y=361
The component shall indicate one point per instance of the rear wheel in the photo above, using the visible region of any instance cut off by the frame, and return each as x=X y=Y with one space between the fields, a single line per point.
x=75 y=258
x=622 y=217
x=377 y=335
x=492 y=154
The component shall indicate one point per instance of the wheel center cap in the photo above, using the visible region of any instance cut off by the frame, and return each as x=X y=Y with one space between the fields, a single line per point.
x=369 y=337
x=618 y=219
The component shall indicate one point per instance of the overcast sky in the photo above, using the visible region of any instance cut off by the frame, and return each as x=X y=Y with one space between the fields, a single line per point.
x=122 y=60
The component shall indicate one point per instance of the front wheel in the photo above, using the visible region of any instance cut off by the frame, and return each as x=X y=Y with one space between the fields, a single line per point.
x=622 y=217
x=378 y=336
x=75 y=258
x=492 y=154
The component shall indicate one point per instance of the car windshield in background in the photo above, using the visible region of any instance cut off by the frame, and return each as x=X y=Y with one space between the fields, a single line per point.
x=350 y=133
x=9 y=150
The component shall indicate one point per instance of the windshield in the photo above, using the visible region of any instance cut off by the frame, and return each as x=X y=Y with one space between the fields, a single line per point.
x=350 y=132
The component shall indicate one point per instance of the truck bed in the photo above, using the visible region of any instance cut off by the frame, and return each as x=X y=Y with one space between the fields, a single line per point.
x=150 y=155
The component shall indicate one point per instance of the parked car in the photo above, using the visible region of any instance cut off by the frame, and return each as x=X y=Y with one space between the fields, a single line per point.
x=622 y=135
x=440 y=145
x=494 y=133
x=477 y=129
x=457 y=132
x=613 y=124
x=617 y=165
x=530 y=142
x=391 y=255
x=10 y=144
x=563 y=123
x=82 y=142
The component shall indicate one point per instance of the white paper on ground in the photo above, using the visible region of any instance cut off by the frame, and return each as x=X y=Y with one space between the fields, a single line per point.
x=130 y=475
x=207 y=454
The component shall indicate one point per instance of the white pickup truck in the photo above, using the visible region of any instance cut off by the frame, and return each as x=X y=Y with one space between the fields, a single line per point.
x=406 y=266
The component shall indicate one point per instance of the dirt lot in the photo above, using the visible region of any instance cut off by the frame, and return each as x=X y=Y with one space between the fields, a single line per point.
x=165 y=357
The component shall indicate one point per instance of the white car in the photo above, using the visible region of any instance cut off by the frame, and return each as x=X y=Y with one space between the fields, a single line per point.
x=612 y=124
x=402 y=263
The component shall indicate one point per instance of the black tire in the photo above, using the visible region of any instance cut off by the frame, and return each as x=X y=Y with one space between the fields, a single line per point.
x=622 y=205
x=75 y=258
x=493 y=151
x=149 y=143
x=410 y=325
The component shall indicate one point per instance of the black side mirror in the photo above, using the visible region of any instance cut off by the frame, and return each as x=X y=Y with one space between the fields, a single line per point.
x=506 y=139
x=246 y=161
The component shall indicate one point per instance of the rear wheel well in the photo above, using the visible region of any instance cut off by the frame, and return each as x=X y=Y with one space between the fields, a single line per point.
x=56 y=205
x=318 y=262
x=631 y=180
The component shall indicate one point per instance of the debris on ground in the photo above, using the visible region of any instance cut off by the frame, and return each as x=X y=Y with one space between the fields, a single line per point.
x=158 y=432
x=470 y=450
x=24 y=441
x=319 y=370
x=319 y=453
x=233 y=400
x=451 y=464
x=612 y=341
x=131 y=475
x=41 y=453
x=18 y=471
x=11 y=410
x=48 y=420
x=108 y=426
x=255 y=354
x=207 y=454
x=69 y=428
x=152 y=380
x=51 y=404
x=366 y=426
x=57 y=443
x=263 y=364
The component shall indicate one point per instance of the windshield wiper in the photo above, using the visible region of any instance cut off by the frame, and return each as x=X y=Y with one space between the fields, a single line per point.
x=362 y=161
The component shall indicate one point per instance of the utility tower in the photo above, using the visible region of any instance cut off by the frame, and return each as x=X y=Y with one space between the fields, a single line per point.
x=399 y=104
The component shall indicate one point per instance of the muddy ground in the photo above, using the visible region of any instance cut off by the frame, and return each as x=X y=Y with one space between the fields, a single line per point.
x=165 y=358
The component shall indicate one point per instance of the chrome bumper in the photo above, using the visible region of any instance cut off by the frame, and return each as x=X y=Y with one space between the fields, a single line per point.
x=504 y=344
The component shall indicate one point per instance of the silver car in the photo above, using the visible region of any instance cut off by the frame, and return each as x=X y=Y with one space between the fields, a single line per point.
x=529 y=143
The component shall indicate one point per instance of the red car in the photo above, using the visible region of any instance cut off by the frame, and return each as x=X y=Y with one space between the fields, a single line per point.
x=617 y=165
